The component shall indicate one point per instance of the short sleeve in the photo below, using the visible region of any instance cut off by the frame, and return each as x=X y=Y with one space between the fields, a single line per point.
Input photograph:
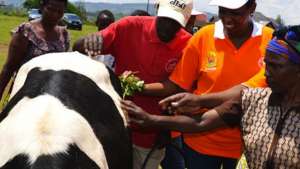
x=111 y=34
x=23 y=29
x=186 y=71
x=258 y=80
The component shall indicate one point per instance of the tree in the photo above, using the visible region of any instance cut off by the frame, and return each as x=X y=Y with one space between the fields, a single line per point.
x=71 y=8
x=82 y=10
x=28 y=4
x=279 y=20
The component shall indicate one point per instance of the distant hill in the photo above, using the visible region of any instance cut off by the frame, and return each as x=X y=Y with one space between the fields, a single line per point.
x=125 y=8
x=258 y=16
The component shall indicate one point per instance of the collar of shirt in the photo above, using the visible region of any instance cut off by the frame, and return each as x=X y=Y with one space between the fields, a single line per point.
x=219 y=33
x=153 y=38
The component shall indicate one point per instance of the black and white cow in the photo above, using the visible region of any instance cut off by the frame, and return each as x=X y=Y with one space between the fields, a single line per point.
x=64 y=113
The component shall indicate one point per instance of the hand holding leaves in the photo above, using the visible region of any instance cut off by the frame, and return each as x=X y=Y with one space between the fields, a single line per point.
x=130 y=83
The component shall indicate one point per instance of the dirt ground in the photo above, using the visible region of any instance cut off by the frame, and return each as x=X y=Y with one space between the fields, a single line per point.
x=3 y=48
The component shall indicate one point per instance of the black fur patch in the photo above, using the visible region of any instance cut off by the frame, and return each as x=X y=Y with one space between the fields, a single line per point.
x=81 y=94
x=74 y=158
x=115 y=82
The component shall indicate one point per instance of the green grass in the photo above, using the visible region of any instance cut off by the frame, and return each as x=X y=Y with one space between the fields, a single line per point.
x=86 y=29
x=7 y=23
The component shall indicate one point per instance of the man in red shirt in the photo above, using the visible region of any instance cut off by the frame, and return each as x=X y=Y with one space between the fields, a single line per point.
x=151 y=46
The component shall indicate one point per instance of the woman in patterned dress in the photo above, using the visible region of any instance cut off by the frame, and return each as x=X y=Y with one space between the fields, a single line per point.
x=35 y=38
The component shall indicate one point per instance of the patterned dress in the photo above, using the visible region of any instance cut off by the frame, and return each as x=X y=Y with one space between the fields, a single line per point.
x=271 y=135
x=38 y=46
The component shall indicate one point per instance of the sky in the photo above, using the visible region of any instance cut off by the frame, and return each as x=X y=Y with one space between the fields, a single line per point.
x=287 y=9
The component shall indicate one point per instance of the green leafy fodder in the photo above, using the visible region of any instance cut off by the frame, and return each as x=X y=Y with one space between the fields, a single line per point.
x=130 y=83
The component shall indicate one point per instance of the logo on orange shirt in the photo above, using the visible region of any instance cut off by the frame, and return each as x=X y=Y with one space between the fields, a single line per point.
x=211 y=60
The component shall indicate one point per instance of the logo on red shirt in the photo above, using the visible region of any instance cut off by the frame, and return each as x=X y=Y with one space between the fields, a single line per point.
x=171 y=64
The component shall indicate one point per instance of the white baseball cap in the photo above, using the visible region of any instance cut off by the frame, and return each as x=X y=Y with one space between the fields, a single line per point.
x=179 y=10
x=196 y=12
x=230 y=4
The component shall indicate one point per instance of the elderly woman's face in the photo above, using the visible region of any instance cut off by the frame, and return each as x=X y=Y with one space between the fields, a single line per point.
x=53 y=11
x=280 y=72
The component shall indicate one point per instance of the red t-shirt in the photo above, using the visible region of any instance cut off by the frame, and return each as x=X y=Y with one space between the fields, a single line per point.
x=134 y=43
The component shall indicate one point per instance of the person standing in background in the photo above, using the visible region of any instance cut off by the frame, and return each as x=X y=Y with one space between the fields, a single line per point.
x=34 y=38
x=104 y=19
x=139 y=12
x=197 y=17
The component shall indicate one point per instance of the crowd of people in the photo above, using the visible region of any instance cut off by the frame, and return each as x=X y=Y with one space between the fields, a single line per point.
x=227 y=89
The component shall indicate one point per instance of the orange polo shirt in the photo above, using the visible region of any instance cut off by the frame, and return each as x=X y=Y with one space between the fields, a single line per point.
x=258 y=80
x=215 y=64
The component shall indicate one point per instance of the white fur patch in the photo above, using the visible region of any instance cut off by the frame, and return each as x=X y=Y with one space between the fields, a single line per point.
x=44 y=126
x=76 y=62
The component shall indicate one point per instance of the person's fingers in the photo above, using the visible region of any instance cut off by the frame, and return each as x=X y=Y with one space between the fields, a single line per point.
x=171 y=99
x=137 y=121
x=127 y=103
x=99 y=44
x=126 y=73
x=95 y=43
x=90 y=45
x=127 y=107
x=85 y=45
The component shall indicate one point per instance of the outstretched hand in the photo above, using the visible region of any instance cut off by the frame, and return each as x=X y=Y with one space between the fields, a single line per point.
x=181 y=103
x=93 y=44
x=136 y=114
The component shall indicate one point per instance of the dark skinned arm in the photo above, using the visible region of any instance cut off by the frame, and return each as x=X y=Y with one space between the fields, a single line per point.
x=161 y=89
x=187 y=102
x=223 y=116
x=16 y=53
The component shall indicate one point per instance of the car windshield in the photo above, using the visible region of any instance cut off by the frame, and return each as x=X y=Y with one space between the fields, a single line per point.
x=73 y=17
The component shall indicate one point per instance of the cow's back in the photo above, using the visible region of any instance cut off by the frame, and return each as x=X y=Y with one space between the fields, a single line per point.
x=65 y=112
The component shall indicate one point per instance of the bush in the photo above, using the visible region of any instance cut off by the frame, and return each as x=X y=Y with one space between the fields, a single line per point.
x=13 y=11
